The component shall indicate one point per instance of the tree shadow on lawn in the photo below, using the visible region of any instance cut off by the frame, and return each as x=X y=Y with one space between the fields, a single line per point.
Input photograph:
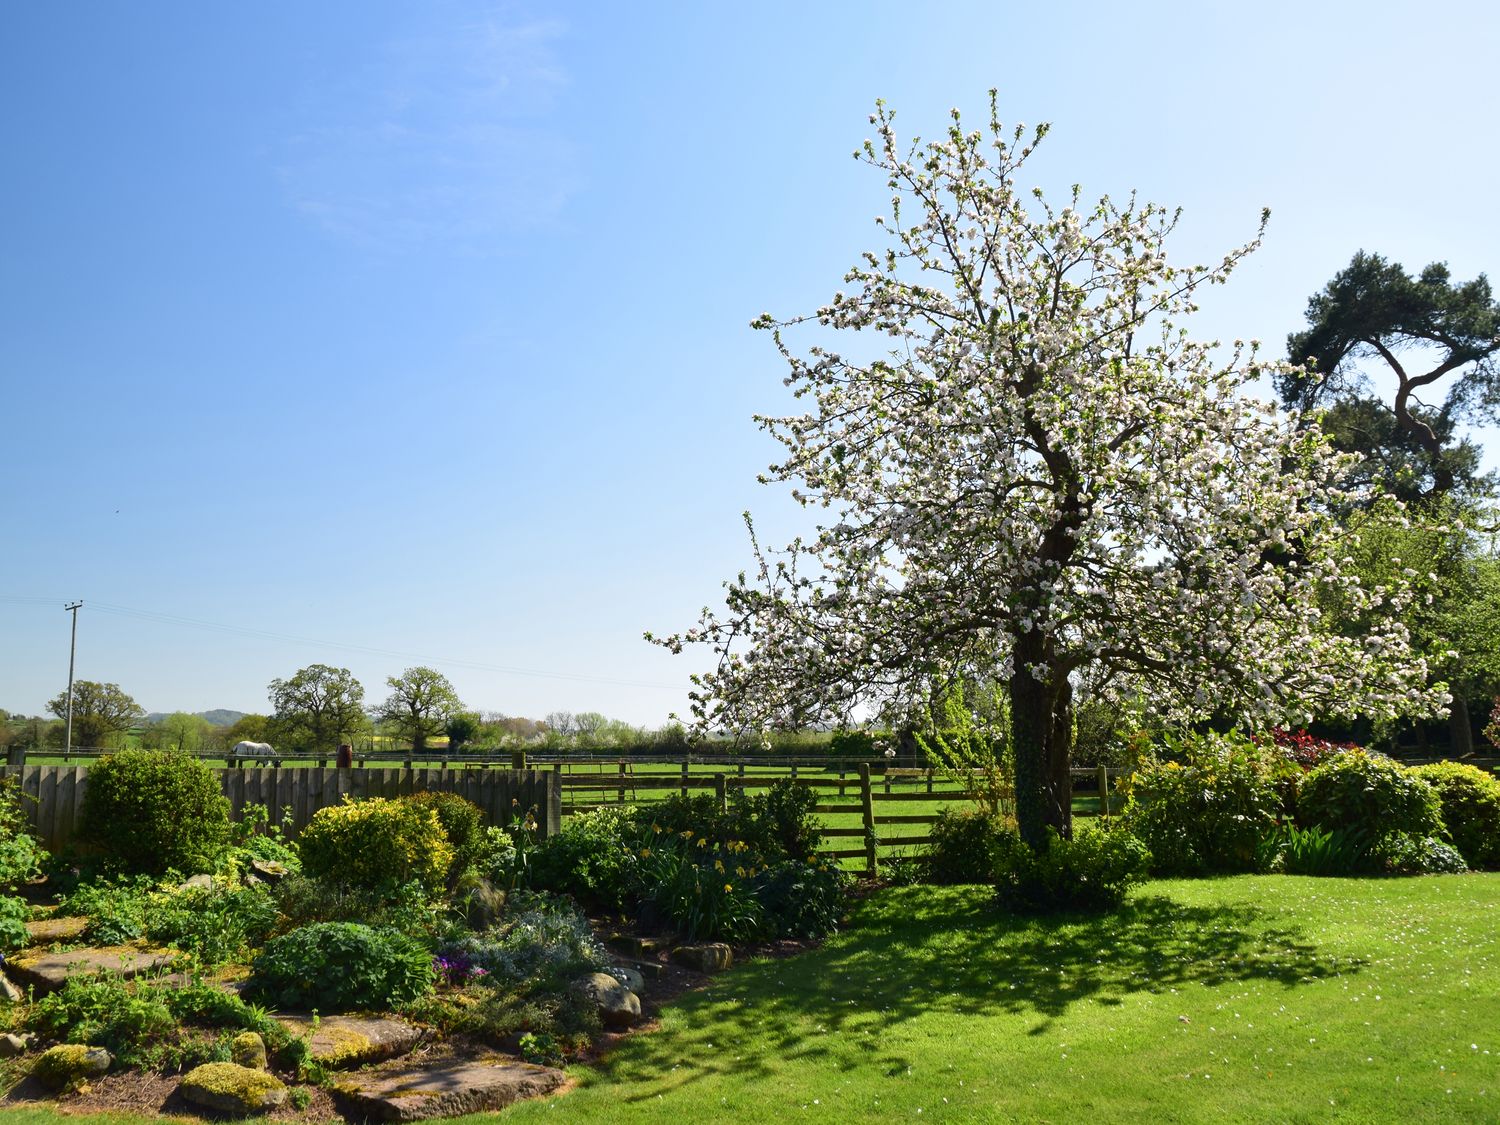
x=920 y=951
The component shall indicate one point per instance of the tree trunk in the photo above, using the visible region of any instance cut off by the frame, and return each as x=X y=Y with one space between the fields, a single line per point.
x=1041 y=723
x=1460 y=732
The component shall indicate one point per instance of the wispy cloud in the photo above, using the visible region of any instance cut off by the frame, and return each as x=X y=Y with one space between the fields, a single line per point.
x=442 y=138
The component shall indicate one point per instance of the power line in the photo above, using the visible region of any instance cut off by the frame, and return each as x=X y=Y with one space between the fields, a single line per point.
x=266 y=634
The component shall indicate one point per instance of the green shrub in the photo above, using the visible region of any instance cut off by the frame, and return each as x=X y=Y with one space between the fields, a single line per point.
x=305 y=899
x=589 y=859
x=1470 y=802
x=217 y=924
x=1091 y=872
x=104 y=1011
x=115 y=908
x=253 y=836
x=20 y=854
x=376 y=844
x=965 y=847
x=151 y=810
x=778 y=823
x=463 y=825
x=1402 y=854
x=1368 y=794
x=13 y=915
x=800 y=900
x=1203 y=804
x=341 y=967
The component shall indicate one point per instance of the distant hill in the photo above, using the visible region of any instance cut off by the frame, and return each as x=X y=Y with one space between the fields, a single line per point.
x=218 y=717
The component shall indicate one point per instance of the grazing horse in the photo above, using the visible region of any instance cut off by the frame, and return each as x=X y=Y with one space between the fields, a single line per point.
x=256 y=750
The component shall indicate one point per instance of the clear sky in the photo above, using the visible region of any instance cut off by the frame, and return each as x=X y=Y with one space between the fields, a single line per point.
x=378 y=334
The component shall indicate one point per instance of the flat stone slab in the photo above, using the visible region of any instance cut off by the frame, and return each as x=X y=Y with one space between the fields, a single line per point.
x=46 y=930
x=47 y=972
x=345 y=1041
x=411 y=1093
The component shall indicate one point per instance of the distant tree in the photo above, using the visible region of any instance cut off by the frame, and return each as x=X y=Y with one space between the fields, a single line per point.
x=1374 y=309
x=462 y=728
x=248 y=728
x=317 y=708
x=101 y=712
x=562 y=723
x=181 y=731
x=419 y=705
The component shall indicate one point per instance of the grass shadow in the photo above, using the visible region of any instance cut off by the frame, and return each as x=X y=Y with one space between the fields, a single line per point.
x=918 y=951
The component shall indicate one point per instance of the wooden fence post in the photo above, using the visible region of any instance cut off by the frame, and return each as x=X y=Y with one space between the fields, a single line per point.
x=1103 y=791
x=620 y=792
x=868 y=799
x=518 y=759
x=721 y=791
x=684 y=778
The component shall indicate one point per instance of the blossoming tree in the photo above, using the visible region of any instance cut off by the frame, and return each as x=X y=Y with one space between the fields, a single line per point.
x=1040 y=476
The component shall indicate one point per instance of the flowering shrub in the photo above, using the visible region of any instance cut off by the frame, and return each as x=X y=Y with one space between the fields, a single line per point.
x=341 y=967
x=376 y=843
x=1470 y=801
x=1091 y=872
x=1204 y=805
x=690 y=885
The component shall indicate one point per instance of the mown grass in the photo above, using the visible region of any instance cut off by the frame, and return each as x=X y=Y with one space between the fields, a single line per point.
x=1249 y=999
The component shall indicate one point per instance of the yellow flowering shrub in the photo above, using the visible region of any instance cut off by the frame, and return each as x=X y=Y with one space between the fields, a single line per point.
x=376 y=842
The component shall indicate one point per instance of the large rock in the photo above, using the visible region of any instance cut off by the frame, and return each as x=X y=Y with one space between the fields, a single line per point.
x=630 y=978
x=268 y=870
x=12 y=1045
x=231 y=1088
x=709 y=958
x=47 y=972
x=69 y=1066
x=248 y=1049
x=345 y=1041
x=411 y=1093
x=618 y=1006
x=44 y=931
x=9 y=992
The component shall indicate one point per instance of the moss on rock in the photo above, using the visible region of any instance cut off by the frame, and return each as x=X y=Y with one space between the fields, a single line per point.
x=232 y=1088
x=69 y=1066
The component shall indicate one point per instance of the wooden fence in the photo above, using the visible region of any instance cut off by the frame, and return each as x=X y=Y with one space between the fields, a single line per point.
x=844 y=794
x=293 y=795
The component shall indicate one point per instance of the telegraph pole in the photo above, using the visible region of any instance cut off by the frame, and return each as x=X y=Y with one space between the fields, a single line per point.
x=73 y=608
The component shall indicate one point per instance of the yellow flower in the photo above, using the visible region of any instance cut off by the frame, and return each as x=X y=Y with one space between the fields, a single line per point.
x=728 y=886
x=645 y=853
x=702 y=842
x=740 y=871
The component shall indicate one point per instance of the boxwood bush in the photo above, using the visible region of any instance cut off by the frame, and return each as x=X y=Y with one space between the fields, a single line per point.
x=151 y=810
x=965 y=846
x=1091 y=873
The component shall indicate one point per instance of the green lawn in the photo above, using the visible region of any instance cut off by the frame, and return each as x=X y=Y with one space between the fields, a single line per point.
x=1250 y=999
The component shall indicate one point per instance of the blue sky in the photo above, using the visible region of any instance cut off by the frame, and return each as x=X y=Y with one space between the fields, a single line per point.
x=378 y=334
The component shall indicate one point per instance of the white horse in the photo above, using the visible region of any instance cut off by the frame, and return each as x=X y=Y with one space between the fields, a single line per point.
x=254 y=750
